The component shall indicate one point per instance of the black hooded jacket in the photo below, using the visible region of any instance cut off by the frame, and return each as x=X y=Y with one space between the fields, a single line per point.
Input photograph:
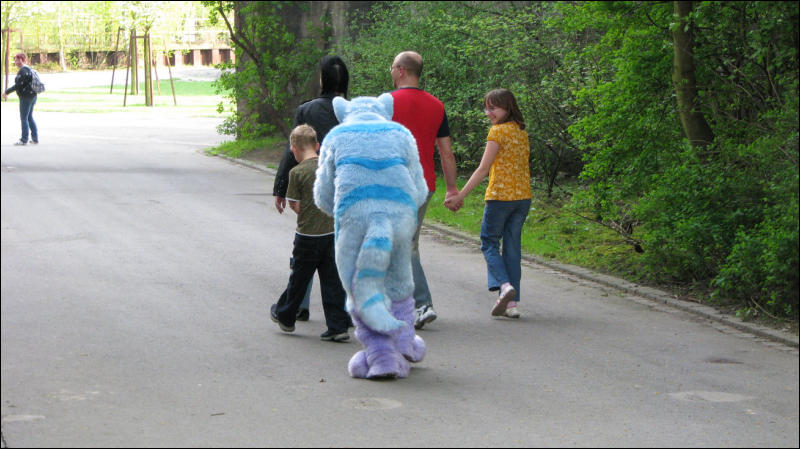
x=22 y=83
x=318 y=113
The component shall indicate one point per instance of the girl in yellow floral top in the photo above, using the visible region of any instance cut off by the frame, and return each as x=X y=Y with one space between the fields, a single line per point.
x=508 y=197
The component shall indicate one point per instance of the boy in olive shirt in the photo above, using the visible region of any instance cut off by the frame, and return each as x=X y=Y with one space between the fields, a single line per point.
x=313 y=245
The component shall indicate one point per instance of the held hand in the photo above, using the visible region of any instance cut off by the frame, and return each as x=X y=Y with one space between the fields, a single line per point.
x=450 y=200
x=453 y=201
x=280 y=204
x=5 y=97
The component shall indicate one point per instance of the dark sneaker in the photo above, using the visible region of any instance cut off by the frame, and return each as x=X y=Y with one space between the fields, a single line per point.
x=334 y=336
x=274 y=316
x=35 y=142
x=424 y=315
x=303 y=315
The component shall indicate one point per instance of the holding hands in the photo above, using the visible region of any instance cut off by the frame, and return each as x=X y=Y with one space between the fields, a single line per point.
x=454 y=200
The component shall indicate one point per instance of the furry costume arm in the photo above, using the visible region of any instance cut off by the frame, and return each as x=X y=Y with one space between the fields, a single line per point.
x=326 y=172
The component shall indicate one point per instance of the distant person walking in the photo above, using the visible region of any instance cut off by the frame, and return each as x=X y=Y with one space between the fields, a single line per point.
x=27 y=99
x=424 y=115
x=508 y=198
x=318 y=113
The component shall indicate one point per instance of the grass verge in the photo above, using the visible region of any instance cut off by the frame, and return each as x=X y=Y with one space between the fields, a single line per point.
x=194 y=97
x=243 y=147
x=551 y=231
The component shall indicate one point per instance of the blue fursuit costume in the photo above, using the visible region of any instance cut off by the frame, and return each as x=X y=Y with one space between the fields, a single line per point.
x=370 y=180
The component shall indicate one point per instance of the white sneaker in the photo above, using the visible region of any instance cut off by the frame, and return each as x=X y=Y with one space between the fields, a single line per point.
x=425 y=314
x=507 y=294
x=511 y=312
x=20 y=143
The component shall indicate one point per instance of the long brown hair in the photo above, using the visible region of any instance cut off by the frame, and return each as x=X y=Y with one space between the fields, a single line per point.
x=503 y=98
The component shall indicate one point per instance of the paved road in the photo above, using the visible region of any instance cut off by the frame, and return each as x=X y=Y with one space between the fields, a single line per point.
x=136 y=276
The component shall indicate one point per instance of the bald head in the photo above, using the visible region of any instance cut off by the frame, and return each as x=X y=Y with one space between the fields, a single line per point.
x=411 y=61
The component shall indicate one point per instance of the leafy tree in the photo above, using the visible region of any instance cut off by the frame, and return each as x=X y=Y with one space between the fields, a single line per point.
x=683 y=77
x=273 y=66
x=469 y=48
x=723 y=212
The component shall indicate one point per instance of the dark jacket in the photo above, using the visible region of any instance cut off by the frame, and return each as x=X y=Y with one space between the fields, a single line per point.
x=318 y=113
x=22 y=83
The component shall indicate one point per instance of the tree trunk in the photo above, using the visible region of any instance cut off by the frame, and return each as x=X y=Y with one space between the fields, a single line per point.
x=62 y=60
x=683 y=77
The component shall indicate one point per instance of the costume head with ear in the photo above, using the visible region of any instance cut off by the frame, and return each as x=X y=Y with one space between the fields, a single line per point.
x=362 y=107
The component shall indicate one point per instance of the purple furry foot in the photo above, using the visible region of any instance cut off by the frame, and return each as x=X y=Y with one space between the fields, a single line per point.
x=389 y=366
x=379 y=359
x=414 y=352
x=409 y=344
x=358 y=365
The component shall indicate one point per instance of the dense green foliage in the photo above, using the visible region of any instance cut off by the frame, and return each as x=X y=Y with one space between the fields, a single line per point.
x=726 y=213
x=274 y=68
x=469 y=49
x=595 y=83
x=596 y=79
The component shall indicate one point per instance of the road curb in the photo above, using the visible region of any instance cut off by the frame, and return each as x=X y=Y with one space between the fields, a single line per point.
x=649 y=293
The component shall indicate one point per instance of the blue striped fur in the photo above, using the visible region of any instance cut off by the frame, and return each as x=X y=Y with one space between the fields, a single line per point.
x=367 y=273
x=371 y=164
x=381 y=243
x=370 y=180
x=373 y=301
x=373 y=192
x=366 y=128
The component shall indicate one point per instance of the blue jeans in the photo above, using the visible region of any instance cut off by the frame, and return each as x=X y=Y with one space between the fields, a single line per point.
x=422 y=293
x=26 y=117
x=503 y=220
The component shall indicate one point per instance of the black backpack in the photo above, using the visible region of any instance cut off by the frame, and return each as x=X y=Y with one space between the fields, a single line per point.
x=37 y=86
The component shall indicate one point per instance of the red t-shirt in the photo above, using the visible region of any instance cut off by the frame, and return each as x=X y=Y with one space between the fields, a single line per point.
x=423 y=114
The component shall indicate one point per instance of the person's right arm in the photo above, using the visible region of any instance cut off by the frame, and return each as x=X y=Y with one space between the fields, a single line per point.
x=17 y=85
x=288 y=162
x=489 y=155
x=448 y=160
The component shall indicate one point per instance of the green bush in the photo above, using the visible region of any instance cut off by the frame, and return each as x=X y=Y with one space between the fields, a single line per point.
x=469 y=49
x=722 y=215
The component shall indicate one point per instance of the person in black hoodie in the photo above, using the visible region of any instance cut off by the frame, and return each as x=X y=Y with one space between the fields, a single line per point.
x=318 y=113
x=27 y=98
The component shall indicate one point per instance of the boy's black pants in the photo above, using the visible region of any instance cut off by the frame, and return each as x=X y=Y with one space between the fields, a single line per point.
x=312 y=254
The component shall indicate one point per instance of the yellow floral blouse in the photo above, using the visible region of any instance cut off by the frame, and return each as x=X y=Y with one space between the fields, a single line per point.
x=510 y=175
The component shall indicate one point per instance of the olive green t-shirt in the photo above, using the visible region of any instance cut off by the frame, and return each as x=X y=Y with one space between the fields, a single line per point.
x=310 y=221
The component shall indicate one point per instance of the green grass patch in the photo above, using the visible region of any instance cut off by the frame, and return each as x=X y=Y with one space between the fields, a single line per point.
x=238 y=148
x=194 y=97
x=551 y=231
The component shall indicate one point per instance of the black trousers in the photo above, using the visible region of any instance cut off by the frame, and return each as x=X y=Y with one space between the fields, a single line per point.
x=314 y=254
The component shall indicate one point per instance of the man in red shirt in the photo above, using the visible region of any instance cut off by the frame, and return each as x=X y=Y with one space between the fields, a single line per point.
x=423 y=114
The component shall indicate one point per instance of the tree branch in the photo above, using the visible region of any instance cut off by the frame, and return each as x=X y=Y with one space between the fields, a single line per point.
x=235 y=37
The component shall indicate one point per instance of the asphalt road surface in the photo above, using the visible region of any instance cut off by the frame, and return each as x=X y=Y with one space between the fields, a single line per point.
x=137 y=273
